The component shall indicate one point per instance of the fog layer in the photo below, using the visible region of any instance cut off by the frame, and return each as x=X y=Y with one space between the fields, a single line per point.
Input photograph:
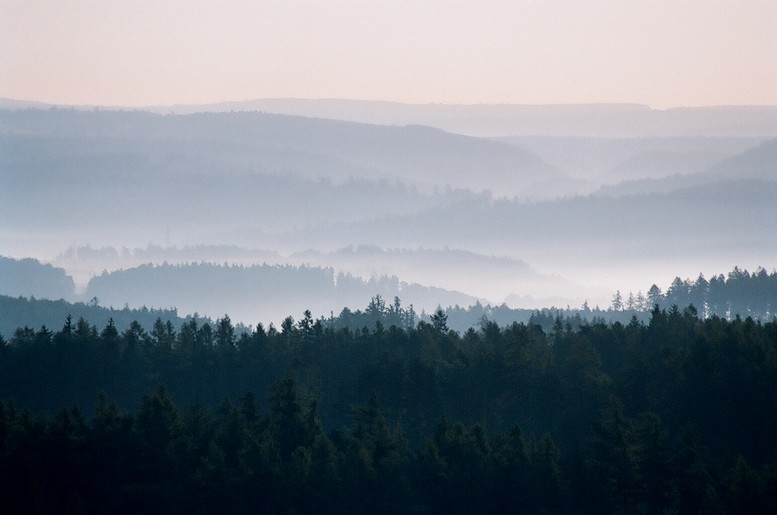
x=557 y=217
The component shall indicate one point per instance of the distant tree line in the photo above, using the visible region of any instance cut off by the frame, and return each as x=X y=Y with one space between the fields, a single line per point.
x=462 y=318
x=739 y=293
x=33 y=312
x=672 y=415
x=31 y=277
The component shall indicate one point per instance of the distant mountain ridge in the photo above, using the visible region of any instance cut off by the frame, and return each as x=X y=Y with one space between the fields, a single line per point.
x=598 y=120
x=614 y=159
x=595 y=120
x=755 y=164
x=253 y=142
x=718 y=215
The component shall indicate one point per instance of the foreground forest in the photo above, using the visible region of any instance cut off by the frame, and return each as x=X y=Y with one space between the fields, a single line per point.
x=674 y=415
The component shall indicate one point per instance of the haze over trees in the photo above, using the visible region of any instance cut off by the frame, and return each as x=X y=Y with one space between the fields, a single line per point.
x=587 y=210
x=259 y=292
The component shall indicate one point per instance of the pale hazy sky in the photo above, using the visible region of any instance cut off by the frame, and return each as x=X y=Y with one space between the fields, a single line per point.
x=138 y=52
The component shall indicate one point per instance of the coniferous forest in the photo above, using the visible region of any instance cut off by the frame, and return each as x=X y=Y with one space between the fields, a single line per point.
x=675 y=414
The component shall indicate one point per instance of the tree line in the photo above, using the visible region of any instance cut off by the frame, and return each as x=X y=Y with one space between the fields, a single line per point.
x=739 y=292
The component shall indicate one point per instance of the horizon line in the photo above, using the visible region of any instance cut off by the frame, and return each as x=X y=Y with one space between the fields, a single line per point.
x=119 y=106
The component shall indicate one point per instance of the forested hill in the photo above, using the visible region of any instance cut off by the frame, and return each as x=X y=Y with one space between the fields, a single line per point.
x=18 y=312
x=596 y=227
x=258 y=293
x=675 y=415
x=260 y=143
x=30 y=277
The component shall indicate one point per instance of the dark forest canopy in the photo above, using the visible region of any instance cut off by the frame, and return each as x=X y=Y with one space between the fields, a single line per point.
x=672 y=415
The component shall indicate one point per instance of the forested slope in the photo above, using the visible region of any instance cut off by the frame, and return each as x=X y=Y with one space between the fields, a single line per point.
x=676 y=414
x=20 y=312
x=29 y=277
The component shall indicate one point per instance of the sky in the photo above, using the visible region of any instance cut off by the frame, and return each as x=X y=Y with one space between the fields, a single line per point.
x=663 y=53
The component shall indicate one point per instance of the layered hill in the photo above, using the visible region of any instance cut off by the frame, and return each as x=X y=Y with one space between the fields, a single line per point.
x=758 y=163
x=258 y=293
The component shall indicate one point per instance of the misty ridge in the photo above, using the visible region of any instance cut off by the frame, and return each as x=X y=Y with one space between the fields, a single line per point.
x=249 y=293
x=608 y=121
x=536 y=206
x=334 y=306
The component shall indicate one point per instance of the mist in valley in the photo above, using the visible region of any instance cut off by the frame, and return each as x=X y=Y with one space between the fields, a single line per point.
x=555 y=218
